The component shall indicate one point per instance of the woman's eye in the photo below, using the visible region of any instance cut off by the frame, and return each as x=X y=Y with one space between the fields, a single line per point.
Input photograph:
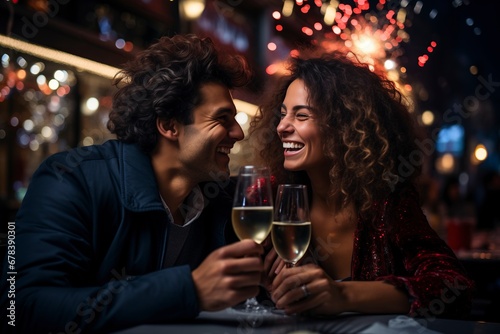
x=282 y=115
x=302 y=117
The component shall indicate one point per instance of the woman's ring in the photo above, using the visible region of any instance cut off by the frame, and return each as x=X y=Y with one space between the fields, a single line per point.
x=304 y=289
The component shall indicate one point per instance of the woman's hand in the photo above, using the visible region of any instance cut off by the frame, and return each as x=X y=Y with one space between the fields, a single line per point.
x=272 y=265
x=307 y=288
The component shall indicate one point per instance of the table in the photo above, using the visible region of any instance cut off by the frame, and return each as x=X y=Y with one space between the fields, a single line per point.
x=231 y=321
x=483 y=266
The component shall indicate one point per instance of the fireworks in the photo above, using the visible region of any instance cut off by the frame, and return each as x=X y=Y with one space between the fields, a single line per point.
x=373 y=32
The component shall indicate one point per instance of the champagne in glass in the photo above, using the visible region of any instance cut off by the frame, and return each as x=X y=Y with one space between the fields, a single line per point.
x=291 y=229
x=290 y=240
x=252 y=214
x=252 y=222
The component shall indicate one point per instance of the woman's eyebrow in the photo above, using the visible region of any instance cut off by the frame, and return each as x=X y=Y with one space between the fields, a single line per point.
x=298 y=107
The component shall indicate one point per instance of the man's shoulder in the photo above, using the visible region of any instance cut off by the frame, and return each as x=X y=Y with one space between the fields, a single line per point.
x=75 y=156
x=85 y=159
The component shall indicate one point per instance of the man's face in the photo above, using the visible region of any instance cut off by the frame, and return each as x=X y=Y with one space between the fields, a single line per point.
x=205 y=144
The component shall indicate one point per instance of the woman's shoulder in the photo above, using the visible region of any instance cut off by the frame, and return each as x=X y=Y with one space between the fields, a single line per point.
x=404 y=191
x=404 y=199
x=400 y=192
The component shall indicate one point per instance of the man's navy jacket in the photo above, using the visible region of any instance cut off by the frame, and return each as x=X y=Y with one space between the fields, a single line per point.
x=90 y=241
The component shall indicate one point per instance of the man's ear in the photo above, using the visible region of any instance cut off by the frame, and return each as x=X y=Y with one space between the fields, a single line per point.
x=168 y=128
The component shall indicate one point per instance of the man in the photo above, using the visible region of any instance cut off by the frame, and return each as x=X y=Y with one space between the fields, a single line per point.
x=133 y=231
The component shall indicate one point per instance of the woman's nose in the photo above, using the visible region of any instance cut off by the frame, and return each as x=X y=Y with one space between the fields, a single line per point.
x=284 y=125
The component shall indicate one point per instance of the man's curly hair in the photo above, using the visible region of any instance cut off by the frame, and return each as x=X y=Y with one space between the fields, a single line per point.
x=164 y=82
x=364 y=122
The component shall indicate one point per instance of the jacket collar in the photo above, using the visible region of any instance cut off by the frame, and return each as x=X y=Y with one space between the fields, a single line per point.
x=139 y=187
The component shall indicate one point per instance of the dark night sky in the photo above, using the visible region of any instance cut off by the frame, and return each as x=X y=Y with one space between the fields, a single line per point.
x=446 y=75
x=454 y=94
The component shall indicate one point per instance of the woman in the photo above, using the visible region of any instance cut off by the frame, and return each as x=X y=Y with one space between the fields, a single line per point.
x=345 y=131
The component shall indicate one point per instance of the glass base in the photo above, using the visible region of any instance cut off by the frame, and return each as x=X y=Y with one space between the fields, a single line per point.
x=251 y=305
x=277 y=311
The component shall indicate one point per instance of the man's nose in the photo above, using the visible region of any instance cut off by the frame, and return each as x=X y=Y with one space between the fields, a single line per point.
x=236 y=132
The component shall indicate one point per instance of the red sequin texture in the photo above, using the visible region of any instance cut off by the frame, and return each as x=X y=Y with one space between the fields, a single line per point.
x=399 y=247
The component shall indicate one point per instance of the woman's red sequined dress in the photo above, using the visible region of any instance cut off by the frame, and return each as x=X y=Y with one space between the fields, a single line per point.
x=399 y=246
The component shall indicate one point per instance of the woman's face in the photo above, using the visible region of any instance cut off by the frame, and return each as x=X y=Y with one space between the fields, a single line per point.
x=299 y=131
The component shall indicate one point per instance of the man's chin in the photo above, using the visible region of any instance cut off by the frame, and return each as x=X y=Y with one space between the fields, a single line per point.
x=226 y=172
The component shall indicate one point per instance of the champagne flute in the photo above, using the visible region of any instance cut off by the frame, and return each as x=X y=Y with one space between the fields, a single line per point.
x=291 y=228
x=252 y=213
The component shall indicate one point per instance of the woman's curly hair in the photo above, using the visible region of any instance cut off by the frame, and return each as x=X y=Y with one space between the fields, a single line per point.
x=164 y=82
x=366 y=128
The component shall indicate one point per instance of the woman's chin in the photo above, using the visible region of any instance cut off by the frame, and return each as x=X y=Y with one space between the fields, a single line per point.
x=292 y=167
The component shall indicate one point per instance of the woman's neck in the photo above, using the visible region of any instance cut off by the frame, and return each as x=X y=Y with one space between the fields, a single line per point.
x=320 y=184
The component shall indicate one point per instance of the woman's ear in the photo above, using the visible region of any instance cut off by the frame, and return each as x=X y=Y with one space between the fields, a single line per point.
x=168 y=128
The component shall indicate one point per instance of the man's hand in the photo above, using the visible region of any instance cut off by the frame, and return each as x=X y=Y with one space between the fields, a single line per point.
x=229 y=275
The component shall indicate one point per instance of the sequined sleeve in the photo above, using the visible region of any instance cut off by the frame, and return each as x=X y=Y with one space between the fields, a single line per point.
x=432 y=276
